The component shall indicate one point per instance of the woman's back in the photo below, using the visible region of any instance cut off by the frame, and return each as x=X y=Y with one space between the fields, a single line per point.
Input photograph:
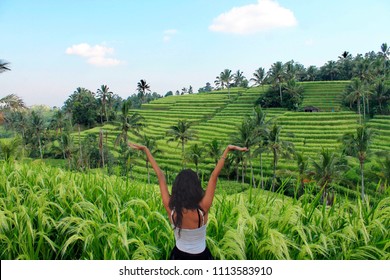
x=192 y=218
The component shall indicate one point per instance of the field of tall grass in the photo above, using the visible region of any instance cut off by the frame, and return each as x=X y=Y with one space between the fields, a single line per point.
x=49 y=213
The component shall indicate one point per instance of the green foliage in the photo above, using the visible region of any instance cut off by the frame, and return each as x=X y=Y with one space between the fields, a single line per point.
x=48 y=213
x=83 y=107
x=291 y=92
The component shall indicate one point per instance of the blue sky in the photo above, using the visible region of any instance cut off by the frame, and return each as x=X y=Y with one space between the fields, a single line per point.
x=56 y=46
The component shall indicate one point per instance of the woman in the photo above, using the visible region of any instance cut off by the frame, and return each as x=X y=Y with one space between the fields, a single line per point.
x=188 y=206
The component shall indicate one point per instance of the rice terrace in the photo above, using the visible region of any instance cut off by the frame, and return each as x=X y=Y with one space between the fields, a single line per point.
x=313 y=185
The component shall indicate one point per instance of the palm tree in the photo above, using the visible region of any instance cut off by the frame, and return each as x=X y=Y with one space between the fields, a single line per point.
x=331 y=69
x=182 y=133
x=384 y=173
x=277 y=73
x=311 y=73
x=291 y=70
x=358 y=145
x=151 y=144
x=214 y=150
x=295 y=91
x=195 y=155
x=363 y=70
x=245 y=136
x=38 y=126
x=19 y=122
x=59 y=121
x=302 y=164
x=259 y=77
x=381 y=94
x=142 y=87
x=226 y=78
x=238 y=78
x=278 y=148
x=345 y=55
x=133 y=123
x=262 y=132
x=104 y=94
x=12 y=102
x=4 y=66
x=9 y=149
x=385 y=51
x=355 y=92
x=67 y=148
x=327 y=170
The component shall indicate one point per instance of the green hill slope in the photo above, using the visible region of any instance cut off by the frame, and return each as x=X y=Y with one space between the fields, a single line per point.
x=215 y=116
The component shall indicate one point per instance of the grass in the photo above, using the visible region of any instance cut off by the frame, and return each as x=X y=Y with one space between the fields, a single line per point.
x=49 y=213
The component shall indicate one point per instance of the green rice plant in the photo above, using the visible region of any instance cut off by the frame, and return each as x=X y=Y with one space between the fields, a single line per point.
x=48 y=213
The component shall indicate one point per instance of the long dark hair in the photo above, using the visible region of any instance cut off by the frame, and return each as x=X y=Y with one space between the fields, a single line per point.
x=187 y=192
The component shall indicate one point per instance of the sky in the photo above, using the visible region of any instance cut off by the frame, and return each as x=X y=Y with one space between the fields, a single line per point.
x=54 y=47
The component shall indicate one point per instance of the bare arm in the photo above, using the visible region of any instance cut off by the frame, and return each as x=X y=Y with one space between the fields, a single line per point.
x=160 y=175
x=207 y=200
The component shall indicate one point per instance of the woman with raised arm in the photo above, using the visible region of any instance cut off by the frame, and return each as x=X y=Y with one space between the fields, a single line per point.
x=188 y=206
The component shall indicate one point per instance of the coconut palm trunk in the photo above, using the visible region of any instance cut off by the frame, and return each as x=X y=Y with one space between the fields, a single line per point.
x=280 y=92
x=183 y=164
x=362 y=177
x=274 y=169
x=252 y=175
x=261 y=171
x=147 y=168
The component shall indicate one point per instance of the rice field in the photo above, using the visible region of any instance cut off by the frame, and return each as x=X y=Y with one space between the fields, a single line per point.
x=215 y=116
x=48 y=213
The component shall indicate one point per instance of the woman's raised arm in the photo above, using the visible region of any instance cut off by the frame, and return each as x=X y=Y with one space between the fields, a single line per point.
x=160 y=175
x=208 y=197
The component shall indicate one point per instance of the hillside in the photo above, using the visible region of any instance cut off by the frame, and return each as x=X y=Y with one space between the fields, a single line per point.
x=215 y=116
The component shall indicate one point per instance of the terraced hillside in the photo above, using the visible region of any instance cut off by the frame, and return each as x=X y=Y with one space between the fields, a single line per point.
x=324 y=95
x=215 y=116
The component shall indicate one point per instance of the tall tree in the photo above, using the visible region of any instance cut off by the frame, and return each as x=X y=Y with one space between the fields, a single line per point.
x=276 y=74
x=330 y=70
x=58 y=122
x=302 y=164
x=83 y=107
x=262 y=128
x=194 y=154
x=355 y=93
x=238 y=78
x=127 y=122
x=4 y=66
x=38 y=126
x=259 y=77
x=10 y=149
x=12 y=102
x=385 y=51
x=214 y=150
x=152 y=145
x=225 y=78
x=143 y=87
x=104 y=95
x=311 y=73
x=358 y=145
x=245 y=136
x=327 y=169
x=294 y=91
x=182 y=133
x=279 y=148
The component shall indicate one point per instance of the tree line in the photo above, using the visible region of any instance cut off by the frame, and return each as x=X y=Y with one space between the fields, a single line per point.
x=368 y=93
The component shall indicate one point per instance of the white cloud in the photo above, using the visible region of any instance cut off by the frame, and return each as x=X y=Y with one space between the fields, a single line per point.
x=262 y=16
x=97 y=55
x=168 y=34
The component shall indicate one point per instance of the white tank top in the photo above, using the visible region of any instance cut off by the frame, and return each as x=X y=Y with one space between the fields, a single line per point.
x=191 y=241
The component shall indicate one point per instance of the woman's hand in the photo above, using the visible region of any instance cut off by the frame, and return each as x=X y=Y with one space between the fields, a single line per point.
x=137 y=146
x=237 y=148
